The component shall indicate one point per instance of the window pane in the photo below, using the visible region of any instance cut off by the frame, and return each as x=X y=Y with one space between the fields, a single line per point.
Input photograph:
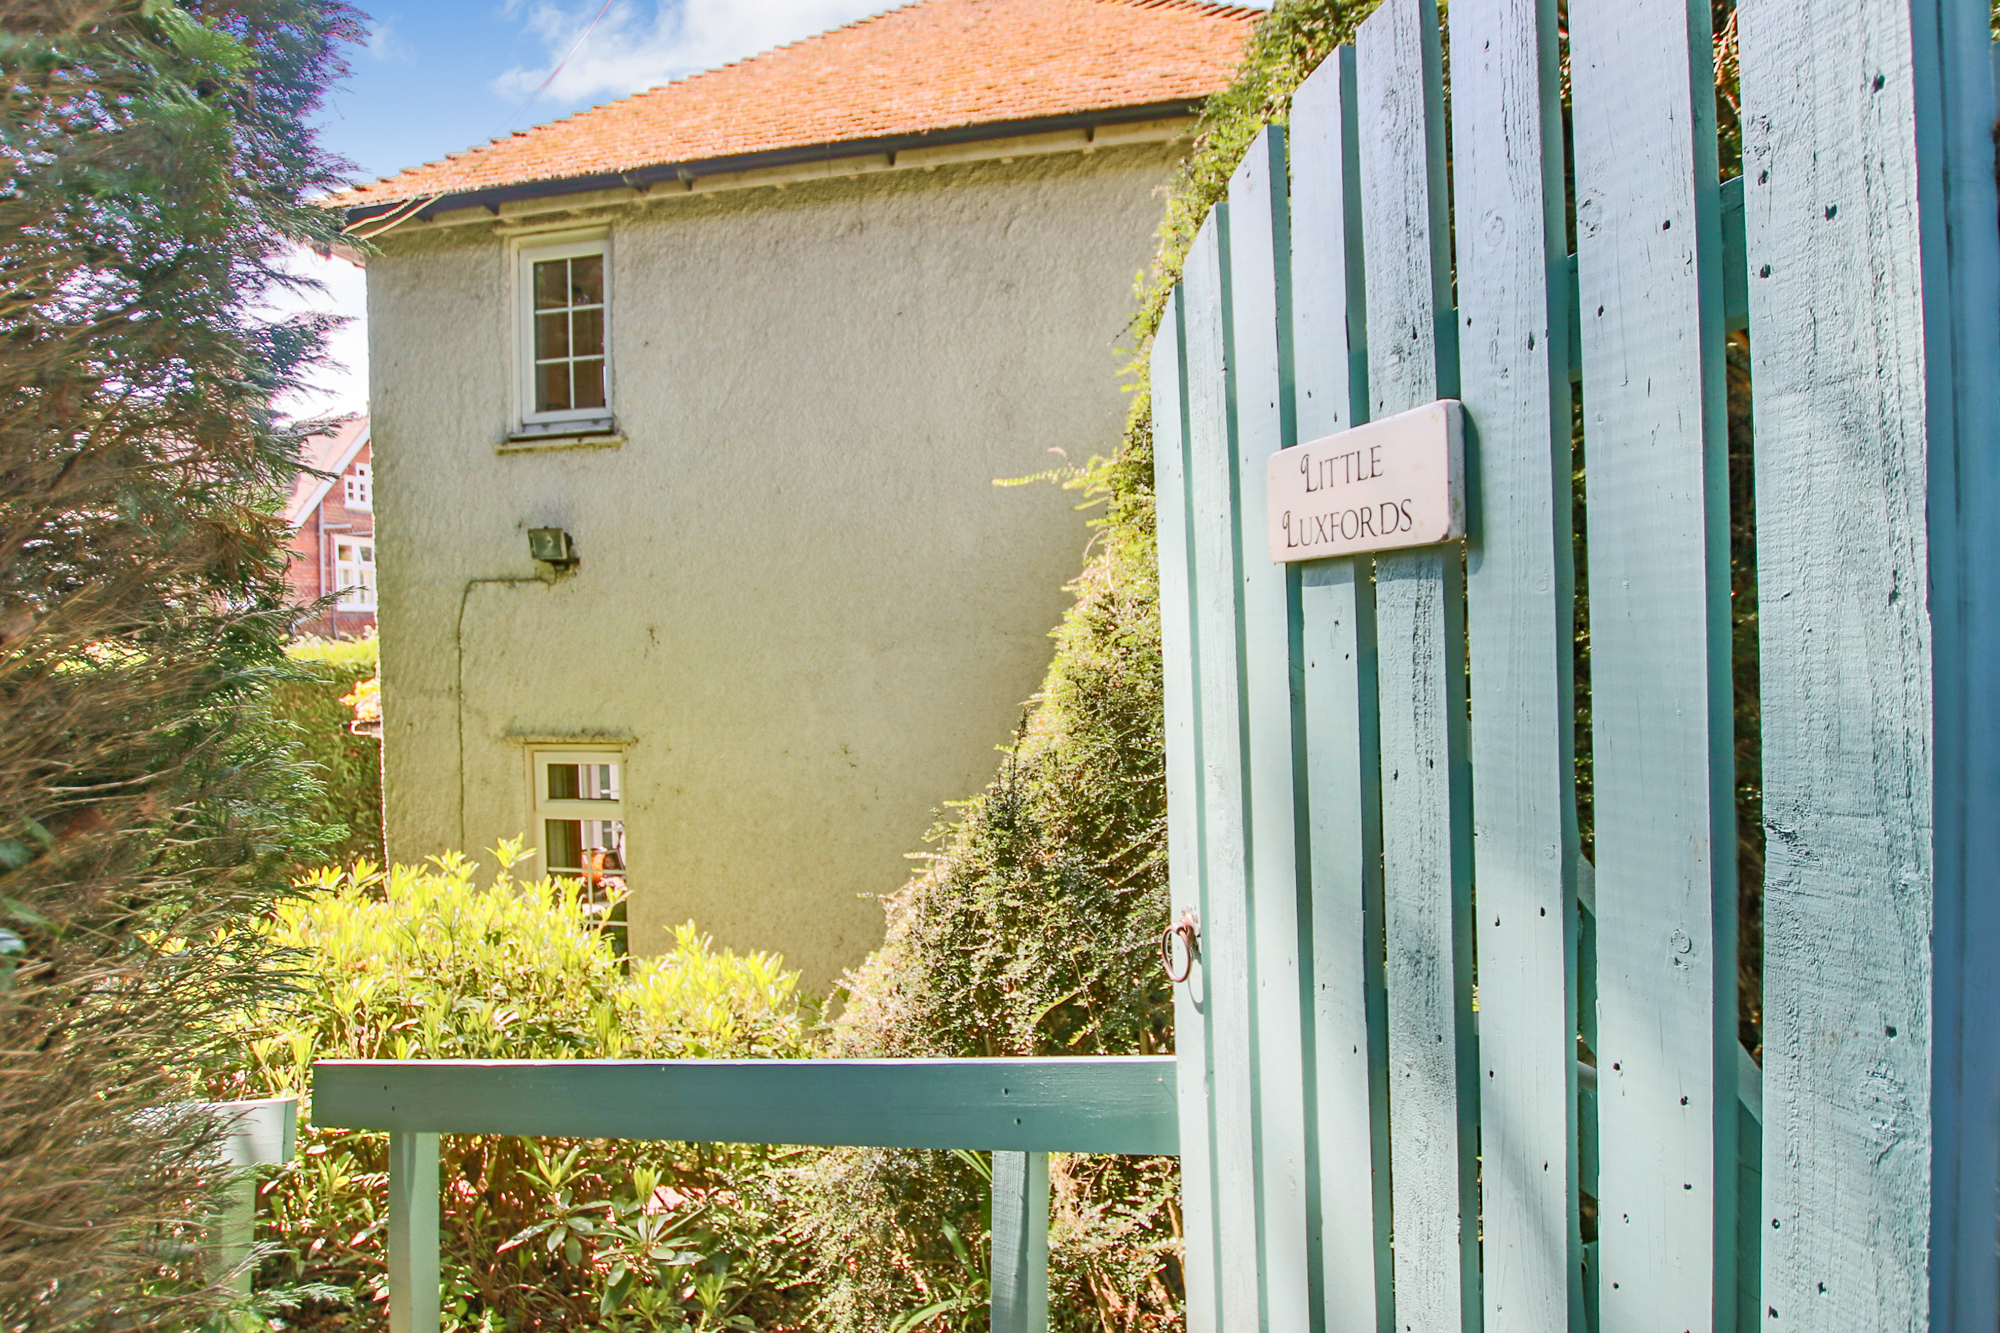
x=562 y=844
x=551 y=284
x=552 y=387
x=552 y=336
x=587 y=328
x=586 y=280
x=590 y=383
x=565 y=782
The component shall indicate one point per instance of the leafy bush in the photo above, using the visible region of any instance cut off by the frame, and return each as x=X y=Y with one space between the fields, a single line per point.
x=349 y=767
x=429 y=964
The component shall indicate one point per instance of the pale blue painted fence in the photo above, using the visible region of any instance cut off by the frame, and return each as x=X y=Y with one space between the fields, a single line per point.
x=1371 y=776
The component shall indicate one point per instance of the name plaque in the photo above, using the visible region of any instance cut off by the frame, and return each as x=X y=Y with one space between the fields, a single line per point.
x=1389 y=484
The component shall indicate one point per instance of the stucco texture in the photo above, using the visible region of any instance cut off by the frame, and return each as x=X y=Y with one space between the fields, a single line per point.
x=800 y=594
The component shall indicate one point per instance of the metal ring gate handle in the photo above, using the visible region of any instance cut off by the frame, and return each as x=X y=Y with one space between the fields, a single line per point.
x=1189 y=930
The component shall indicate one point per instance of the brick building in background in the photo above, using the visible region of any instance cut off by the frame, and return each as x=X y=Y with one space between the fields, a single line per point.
x=332 y=517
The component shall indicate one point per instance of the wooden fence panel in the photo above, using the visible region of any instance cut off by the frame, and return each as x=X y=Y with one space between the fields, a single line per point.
x=1260 y=311
x=1840 y=302
x=1513 y=330
x=1184 y=815
x=1649 y=279
x=1420 y=638
x=1226 y=928
x=1349 y=1054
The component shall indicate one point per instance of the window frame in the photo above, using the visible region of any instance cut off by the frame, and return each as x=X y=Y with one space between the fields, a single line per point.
x=528 y=253
x=357 y=488
x=542 y=807
x=343 y=600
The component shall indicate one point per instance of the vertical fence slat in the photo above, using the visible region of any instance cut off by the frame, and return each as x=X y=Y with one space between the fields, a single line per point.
x=1337 y=624
x=1845 y=310
x=1513 y=331
x=1020 y=1268
x=1954 y=122
x=1420 y=638
x=1183 y=765
x=1260 y=310
x=1213 y=514
x=1649 y=278
x=413 y=1233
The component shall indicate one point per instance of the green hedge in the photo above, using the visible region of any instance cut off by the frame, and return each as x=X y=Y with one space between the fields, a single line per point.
x=348 y=766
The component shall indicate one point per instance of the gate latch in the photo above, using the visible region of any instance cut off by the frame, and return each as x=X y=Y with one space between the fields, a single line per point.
x=1188 y=931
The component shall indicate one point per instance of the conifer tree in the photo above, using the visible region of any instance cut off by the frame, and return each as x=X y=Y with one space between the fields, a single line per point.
x=156 y=159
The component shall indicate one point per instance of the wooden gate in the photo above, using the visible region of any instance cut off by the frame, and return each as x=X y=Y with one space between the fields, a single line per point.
x=1371 y=766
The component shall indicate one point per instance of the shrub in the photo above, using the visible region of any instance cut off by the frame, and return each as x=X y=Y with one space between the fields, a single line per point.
x=427 y=963
x=349 y=767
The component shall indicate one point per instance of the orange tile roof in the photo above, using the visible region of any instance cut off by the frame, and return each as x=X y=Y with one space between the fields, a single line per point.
x=929 y=66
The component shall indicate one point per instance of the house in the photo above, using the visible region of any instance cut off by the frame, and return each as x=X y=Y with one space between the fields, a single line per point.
x=332 y=518
x=697 y=570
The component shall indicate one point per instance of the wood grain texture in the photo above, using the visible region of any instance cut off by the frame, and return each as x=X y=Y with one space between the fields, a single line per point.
x=1226 y=931
x=1844 y=434
x=1954 y=106
x=413 y=1233
x=1260 y=312
x=1420 y=640
x=1343 y=913
x=1513 y=322
x=1112 y=1104
x=1183 y=774
x=1649 y=279
x=1020 y=1228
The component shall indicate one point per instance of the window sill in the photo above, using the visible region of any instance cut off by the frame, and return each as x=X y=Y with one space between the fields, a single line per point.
x=602 y=433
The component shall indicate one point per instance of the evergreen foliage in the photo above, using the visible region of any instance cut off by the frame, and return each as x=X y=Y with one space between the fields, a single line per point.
x=154 y=159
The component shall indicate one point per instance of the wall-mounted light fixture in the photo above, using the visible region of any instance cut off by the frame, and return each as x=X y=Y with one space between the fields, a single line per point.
x=551 y=546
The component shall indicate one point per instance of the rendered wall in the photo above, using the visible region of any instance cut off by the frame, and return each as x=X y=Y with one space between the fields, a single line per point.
x=801 y=595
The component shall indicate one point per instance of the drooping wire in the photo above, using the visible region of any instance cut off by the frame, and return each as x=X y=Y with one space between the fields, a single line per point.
x=409 y=208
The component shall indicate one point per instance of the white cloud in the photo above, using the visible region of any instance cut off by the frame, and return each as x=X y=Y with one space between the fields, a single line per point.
x=636 y=46
x=340 y=387
x=384 y=43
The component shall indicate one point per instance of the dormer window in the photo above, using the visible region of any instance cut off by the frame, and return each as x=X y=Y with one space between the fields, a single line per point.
x=565 y=376
x=359 y=492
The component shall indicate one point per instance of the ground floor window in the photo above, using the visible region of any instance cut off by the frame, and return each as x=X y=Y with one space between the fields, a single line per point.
x=354 y=573
x=579 y=799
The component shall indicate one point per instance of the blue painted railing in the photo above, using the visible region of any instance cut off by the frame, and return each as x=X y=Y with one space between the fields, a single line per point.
x=1019 y=1110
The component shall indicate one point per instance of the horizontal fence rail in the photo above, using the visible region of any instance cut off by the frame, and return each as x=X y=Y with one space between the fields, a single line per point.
x=1111 y=1105
x=1019 y=1110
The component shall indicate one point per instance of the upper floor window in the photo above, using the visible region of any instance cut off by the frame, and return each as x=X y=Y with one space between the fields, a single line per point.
x=563 y=334
x=354 y=574
x=359 y=492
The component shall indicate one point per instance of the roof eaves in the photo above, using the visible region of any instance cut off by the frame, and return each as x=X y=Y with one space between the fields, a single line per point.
x=644 y=178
